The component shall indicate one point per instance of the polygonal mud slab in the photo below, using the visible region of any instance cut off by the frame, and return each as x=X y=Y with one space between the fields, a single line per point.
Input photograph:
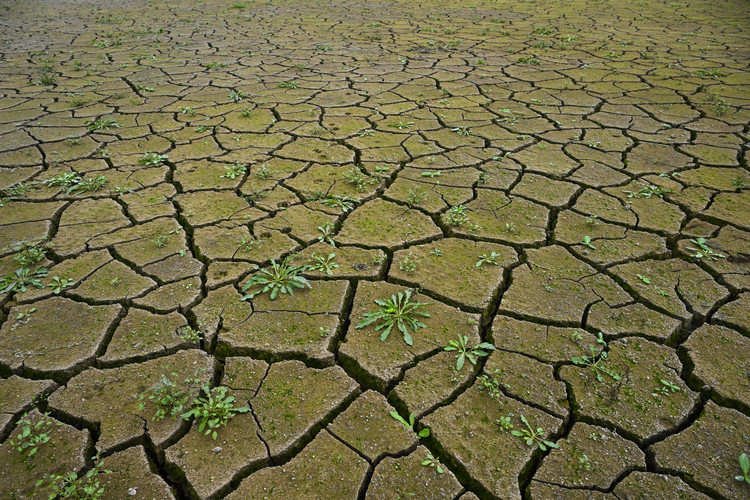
x=299 y=221
x=707 y=451
x=590 y=457
x=734 y=313
x=406 y=477
x=656 y=487
x=303 y=326
x=555 y=286
x=82 y=220
x=469 y=437
x=502 y=219
x=201 y=208
x=541 y=490
x=368 y=427
x=381 y=362
x=172 y=296
x=65 y=452
x=325 y=468
x=57 y=338
x=309 y=149
x=17 y=393
x=132 y=475
x=380 y=223
x=142 y=334
x=528 y=380
x=431 y=382
x=144 y=244
x=632 y=319
x=108 y=398
x=638 y=404
x=719 y=359
x=732 y=243
x=210 y=464
x=348 y=261
x=449 y=268
x=294 y=401
x=550 y=344
x=113 y=281
x=674 y=286
x=731 y=208
x=221 y=308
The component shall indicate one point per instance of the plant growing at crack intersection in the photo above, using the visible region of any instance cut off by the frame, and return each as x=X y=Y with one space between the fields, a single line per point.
x=214 y=410
x=398 y=311
x=410 y=424
x=596 y=360
x=279 y=278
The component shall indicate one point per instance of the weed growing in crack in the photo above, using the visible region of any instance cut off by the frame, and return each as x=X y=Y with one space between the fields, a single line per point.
x=327 y=231
x=87 y=185
x=288 y=85
x=170 y=398
x=59 y=284
x=233 y=171
x=264 y=172
x=703 y=251
x=22 y=278
x=398 y=311
x=366 y=133
x=456 y=216
x=463 y=130
x=739 y=182
x=345 y=203
x=415 y=197
x=32 y=435
x=464 y=352
x=431 y=461
x=188 y=334
x=356 y=178
x=713 y=73
x=101 y=123
x=279 y=278
x=65 y=180
x=487 y=259
x=248 y=244
x=236 y=96
x=401 y=125
x=648 y=191
x=323 y=263
x=595 y=361
x=587 y=242
x=152 y=159
x=27 y=254
x=214 y=410
x=410 y=424
x=533 y=436
x=70 y=485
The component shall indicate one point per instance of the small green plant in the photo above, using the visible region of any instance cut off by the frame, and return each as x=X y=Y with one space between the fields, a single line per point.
x=236 y=96
x=409 y=263
x=344 y=202
x=264 y=172
x=745 y=466
x=431 y=461
x=415 y=197
x=648 y=191
x=279 y=278
x=32 y=435
x=356 y=178
x=59 y=284
x=533 y=436
x=152 y=159
x=401 y=125
x=72 y=486
x=703 y=251
x=584 y=462
x=529 y=60
x=713 y=73
x=463 y=130
x=464 y=352
x=410 y=424
x=248 y=244
x=457 y=216
x=26 y=314
x=587 y=242
x=188 y=110
x=668 y=388
x=65 y=179
x=398 y=311
x=487 y=259
x=27 y=254
x=739 y=182
x=233 y=171
x=101 y=123
x=170 y=398
x=326 y=234
x=436 y=252
x=431 y=175
x=366 y=133
x=86 y=185
x=161 y=241
x=246 y=112
x=214 y=410
x=323 y=263
x=23 y=277
x=191 y=335
x=595 y=361
x=288 y=85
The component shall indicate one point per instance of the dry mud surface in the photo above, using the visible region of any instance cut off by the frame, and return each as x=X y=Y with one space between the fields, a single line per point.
x=536 y=173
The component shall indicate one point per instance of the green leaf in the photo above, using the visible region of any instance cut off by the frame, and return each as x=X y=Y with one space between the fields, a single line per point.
x=460 y=362
x=424 y=433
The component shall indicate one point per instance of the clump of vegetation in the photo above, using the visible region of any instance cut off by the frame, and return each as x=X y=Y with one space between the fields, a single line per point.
x=323 y=263
x=409 y=263
x=169 y=397
x=356 y=178
x=279 y=278
x=214 y=410
x=464 y=352
x=533 y=436
x=345 y=203
x=457 y=216
x=410 y=424
x=101 y=123
x=648 y=191
x=152 y=159
x=326 y=234
x=70 y=485
x=431 y=461
x=22 y=278
x=32 y=435
x=398 y=311
x=703 y=251
x=487 y=259
x=595 y=360
x=233 y=171
x=87 y=185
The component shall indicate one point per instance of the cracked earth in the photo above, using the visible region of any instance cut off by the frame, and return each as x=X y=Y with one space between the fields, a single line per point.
x=558 y=180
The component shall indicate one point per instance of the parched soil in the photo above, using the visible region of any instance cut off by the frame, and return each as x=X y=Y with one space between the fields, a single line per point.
x=565 y=183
